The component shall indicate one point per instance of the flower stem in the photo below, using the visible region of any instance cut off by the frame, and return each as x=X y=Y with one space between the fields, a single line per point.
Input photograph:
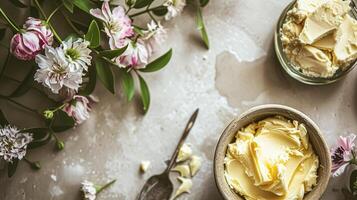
x=19 y=104
x=105 y=186
x=143 y=12
x=8 y=20
x=58 y=38
x=53 y=13
x=34 y=165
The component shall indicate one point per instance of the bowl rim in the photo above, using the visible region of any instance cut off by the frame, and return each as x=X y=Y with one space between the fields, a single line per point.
x=289 y=68
x=223 y=187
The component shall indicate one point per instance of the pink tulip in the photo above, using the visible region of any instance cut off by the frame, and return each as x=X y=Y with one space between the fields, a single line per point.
x=31 y=40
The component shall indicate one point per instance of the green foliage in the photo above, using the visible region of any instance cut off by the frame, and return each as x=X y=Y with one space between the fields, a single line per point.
x=127 y=82
x=90 y=85
x=11 y=167
x=159 y=63
x=353 y=181
x=113 y=53
x=142 y=3
x=145 y=94
x=203 y=3
x=41 y=137
x=93 y=35
x=160 y=11
x=61 y=121
x=84 y=5
x=105 y=74
x=201 y=27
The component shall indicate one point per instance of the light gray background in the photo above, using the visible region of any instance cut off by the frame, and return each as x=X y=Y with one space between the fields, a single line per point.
x=238 y=72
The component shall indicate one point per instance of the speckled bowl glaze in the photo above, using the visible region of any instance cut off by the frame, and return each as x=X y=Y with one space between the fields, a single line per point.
x=292 y=70
x=258 y=113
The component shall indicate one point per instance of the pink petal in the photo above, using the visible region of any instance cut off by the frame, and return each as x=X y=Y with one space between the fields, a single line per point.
x=97 y=13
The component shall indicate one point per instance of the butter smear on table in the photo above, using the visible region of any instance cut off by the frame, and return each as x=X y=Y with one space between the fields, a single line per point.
x=271 y=160
x=319 y=36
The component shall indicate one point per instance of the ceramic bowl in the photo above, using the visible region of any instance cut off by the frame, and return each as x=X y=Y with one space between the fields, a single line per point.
x=294 y=71
x=261 y=112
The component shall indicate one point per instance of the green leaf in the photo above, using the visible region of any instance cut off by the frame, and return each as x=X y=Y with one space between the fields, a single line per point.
x=39 y=142
x=69 y=5
x=41 y=137
x=142 y=3
x=113 y=53
x=353 y=181
x=105 y=74
x=11 y=167
x=203 y=3
x=90 y=86
x=129 y=3
x=127 y=82
x=160 y=11
x=37 y=133
x=93 y=35
x=84 y=5
x=159 y=63
x=72 y=36
x=201 y=27
x=2 y=33
x=62 y=122
x=3 y=120
x=26 y=84
x=18 y=3
x=145 y=94
x=138 y=30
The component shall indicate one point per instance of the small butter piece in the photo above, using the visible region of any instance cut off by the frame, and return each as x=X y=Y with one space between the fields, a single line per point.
x=185 y=153
x=144 y=166
x=324 y=20
x=195 y=165
x=185 y=187
x=326 y=43
x=315 y=62
x=183 y=169
x=346 y=46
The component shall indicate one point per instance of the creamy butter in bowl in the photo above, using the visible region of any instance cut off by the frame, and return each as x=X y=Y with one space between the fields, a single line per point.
x=272 y=152
x=316 y=40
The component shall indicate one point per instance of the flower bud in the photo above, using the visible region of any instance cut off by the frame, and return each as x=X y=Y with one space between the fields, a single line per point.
x=48 y=114
x=60 y=145
x=32 y=39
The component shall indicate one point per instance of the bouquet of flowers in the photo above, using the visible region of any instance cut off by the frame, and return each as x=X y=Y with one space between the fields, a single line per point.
x=105 y=43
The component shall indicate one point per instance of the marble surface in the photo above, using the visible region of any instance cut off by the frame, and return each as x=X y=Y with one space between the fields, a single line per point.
x=238 y=72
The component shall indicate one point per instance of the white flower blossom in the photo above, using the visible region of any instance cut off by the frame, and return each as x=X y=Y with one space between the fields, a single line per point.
x=13 y=143
x=155 y=35
x=89 y=190
x=77 y=53
x=174 y=8
x=55 y=72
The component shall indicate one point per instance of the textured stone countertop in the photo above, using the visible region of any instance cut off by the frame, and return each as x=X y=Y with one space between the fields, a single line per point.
x=238 y=72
